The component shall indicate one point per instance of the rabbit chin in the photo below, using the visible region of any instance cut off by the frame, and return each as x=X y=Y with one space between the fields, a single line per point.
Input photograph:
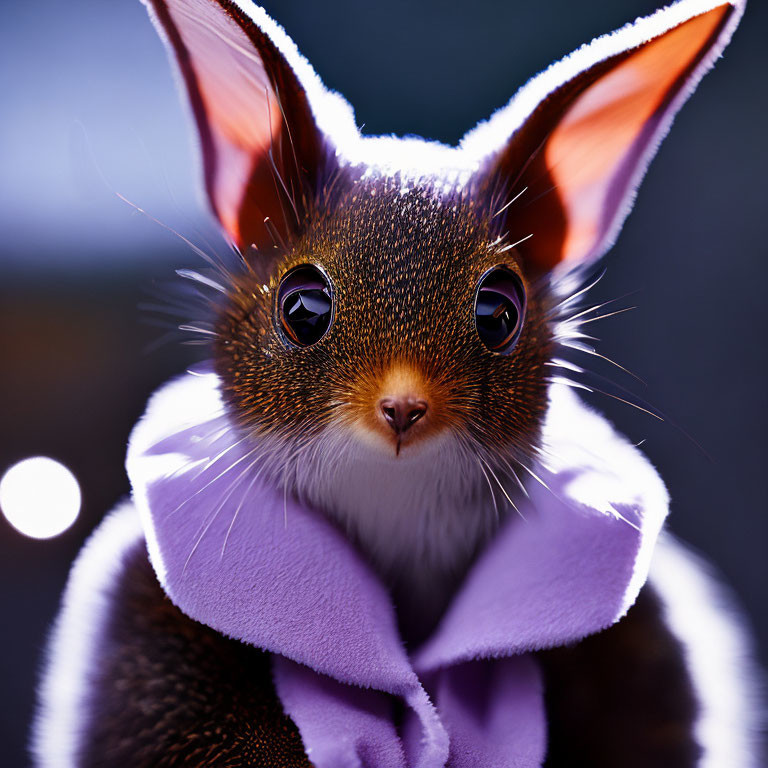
x=418 y=518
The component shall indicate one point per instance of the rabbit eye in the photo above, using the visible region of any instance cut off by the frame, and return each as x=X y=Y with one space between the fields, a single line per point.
x=499 y=309
x=305 y=305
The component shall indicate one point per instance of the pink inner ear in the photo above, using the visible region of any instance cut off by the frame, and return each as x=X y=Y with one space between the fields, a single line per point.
x=588 y=147
x=240 y=107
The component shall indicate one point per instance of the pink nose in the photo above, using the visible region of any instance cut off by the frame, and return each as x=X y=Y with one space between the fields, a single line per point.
x=402 y=412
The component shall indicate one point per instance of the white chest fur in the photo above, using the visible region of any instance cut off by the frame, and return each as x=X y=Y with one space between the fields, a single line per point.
x=419 y=518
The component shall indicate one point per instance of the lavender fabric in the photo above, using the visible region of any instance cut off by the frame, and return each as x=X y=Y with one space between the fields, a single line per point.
x=238 y=555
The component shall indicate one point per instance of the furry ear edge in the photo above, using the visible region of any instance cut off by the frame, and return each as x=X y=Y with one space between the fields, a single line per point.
x=578 y=138
x=248 y=88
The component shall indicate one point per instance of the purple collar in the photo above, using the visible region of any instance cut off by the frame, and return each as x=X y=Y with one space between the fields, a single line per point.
x=232 y=552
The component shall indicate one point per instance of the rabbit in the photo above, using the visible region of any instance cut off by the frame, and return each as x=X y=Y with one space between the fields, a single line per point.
x=381 y=529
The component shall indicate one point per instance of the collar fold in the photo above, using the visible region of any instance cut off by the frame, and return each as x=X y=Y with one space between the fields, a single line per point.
x=234 y=553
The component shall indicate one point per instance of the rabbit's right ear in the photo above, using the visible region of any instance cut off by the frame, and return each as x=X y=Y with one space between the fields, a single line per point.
x=567 y=154
x=264 y=157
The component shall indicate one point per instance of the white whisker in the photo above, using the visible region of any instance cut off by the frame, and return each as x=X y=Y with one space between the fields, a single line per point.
x=210 y=482
x=490 y=487
x=515 y=244
x=504 y=491
x=504 y=208
x=190 y=274
x=217 y=511
x=602 y=317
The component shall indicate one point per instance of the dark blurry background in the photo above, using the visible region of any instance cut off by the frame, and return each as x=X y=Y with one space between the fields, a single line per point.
x=89 y=107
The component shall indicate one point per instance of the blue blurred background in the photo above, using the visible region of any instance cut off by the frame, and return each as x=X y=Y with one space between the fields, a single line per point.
x=89 y=108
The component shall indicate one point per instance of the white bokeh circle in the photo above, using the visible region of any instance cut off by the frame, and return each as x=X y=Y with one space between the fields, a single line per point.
x=40 y=497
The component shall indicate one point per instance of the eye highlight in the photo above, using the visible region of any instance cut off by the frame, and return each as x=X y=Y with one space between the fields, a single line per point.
x=499 y=309
x=305 y=305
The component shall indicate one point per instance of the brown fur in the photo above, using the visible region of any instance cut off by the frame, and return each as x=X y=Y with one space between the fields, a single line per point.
x=404 y=270
x=404 y=265
x=172 y=692
x=622 y=697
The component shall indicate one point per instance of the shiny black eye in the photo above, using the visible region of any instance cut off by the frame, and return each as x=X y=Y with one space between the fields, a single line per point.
x=499 y=309
x=305 y=305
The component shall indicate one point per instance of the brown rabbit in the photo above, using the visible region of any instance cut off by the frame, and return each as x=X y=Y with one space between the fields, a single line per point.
x=390 y=533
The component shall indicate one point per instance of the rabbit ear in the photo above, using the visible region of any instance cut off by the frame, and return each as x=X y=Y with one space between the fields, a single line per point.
x=263 y=154
x=578 y=137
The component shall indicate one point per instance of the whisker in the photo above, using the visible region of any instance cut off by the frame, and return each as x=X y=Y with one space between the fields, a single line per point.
x=564 y=364
x=285 y=506
x=503 y=490
x=199 y=251
x=588 y=287
x=211 y=482
x=275 y=172
x=490 y=487
x=534 y=475
x=290 y=139
x=602 y=317
x=504 y=208
x=621 y=517
x=595 y=307
x=190 y=274
x=197 y=329
x=237 y=511
x=590 y=388
x=515 y=476
x=587 y=350
x=514 y=245
x=274 y=233
x=212 y=461
x=216 y=513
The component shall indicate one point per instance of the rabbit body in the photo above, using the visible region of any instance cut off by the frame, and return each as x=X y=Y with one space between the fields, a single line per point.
x=379 y=531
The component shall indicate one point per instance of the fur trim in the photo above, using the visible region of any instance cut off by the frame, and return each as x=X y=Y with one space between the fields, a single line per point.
x=64 y=709
x=702 y=616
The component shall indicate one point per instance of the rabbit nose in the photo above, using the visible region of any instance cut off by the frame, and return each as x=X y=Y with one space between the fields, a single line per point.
x=402 y=412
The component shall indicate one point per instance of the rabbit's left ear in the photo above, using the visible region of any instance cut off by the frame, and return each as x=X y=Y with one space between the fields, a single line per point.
x=579 y=137
x=254 y=100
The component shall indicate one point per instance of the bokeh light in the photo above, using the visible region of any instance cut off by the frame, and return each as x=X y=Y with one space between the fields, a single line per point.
x=39 y=497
